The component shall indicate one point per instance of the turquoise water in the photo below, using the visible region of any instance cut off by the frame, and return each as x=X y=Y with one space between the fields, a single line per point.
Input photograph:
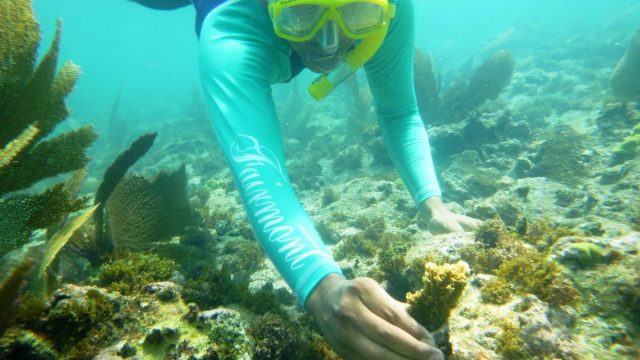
x=552 y=165
x=154 y=53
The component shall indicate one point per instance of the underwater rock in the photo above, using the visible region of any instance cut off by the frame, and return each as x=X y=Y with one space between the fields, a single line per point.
x=165 y=291
x=475 y=329
x=26 y=345
x=273 y=338
x=616 y=119
x=226 y=329
x=562 y=156
x=166 y=336
x=270 y=279
x=80 y=320
x=122 y=350
x=628 y=149
x=493 y=133
x=468 y=177
x=582 y=254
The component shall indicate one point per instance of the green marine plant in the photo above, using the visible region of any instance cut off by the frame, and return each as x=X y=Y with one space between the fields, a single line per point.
x=583 y=254
x=133 y=270
x=31 y=106
x=490 y=232
x=212 y=287
x=534 y=273
x=442 y=288
x=53 y=247
x=496 y=291
x=625 y=81
x=80 y=320
x=366 y=242
x=329 y=196
x=243 y=257
x=543 y=234
x=273 y=338
x=510 y=342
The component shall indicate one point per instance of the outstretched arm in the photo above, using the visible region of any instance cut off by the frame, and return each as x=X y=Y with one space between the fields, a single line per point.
x=239 y=60
x=390 y=75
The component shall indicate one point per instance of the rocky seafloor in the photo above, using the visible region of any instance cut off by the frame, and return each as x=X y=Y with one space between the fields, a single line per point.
x=554 y=273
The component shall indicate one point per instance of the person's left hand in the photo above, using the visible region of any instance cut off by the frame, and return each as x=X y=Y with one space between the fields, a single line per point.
x=440 y=220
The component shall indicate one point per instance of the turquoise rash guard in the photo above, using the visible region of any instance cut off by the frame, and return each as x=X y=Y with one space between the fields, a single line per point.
x=240 y=58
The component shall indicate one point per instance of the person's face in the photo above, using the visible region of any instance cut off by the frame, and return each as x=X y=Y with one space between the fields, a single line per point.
x=324 y=51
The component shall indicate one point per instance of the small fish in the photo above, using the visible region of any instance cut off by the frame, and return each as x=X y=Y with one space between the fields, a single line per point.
x=163 y=4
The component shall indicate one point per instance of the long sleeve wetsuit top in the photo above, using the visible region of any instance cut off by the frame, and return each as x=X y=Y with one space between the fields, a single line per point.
x=240 y=58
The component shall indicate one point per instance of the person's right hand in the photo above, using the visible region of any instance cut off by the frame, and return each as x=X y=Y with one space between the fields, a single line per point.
x=361 y=321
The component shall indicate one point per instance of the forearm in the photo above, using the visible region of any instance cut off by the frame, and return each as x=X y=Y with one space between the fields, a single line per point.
x=408 y=146
x=239 y=61
x=390 y=75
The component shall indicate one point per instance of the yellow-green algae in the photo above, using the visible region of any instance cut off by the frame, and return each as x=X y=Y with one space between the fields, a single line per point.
x=442 y=286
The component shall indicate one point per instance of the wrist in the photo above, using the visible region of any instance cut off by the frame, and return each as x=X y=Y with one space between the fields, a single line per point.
x=320 y=293
x=431 y=206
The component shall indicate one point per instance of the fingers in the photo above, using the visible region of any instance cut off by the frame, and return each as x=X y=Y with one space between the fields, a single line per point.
x=382 y=304
x=362 y=347
x=444 y=225
x=386 y=321
x=468 y=223
x=361 y=321
x=393 y=338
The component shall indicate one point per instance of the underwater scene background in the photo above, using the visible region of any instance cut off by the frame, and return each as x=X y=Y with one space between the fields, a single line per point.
x=122 y=234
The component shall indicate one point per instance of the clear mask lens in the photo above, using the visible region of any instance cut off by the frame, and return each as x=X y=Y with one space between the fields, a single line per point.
x=362 y=17
x=300 y=20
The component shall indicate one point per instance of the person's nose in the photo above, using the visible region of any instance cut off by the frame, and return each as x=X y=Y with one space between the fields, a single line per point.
x=329 y=37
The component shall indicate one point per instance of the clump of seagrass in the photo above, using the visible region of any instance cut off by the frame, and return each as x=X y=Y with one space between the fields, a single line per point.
x=442 y=286
x=625 y=81
x=31 y=106
x=141 y=213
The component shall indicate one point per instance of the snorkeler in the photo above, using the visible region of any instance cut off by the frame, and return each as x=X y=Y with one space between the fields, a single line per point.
x=245 y=46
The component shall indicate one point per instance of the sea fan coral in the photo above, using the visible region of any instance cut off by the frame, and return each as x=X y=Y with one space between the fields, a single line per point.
x=625 y=81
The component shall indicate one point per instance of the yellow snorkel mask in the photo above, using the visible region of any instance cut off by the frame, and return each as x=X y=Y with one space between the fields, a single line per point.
x=364 y=20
